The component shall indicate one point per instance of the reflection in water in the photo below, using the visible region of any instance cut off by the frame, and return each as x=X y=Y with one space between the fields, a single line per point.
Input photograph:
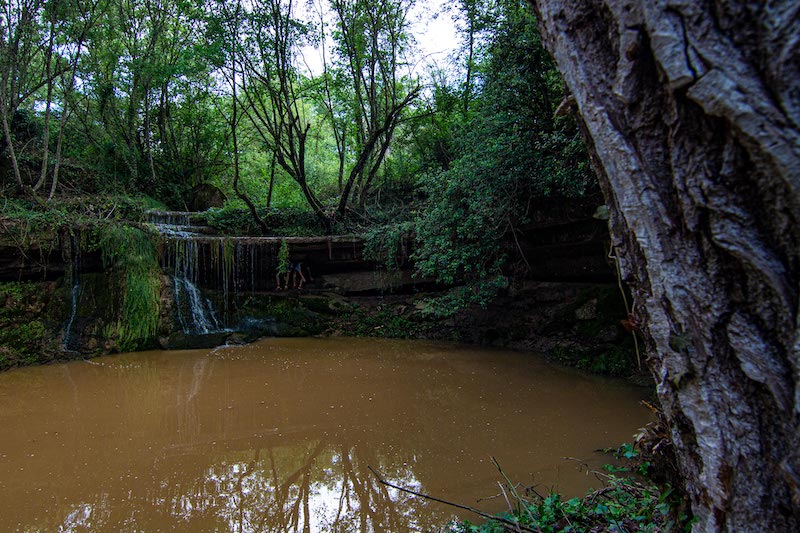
x=278 y=435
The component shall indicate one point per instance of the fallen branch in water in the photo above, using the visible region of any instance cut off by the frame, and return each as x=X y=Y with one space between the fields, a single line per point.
x=478 y=512
x=500 y=494
x=525 y=503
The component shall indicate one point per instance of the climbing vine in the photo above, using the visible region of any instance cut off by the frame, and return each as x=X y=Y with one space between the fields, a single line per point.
x=283 y=257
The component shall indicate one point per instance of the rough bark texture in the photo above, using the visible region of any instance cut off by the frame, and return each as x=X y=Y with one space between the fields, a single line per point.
x=693 y=110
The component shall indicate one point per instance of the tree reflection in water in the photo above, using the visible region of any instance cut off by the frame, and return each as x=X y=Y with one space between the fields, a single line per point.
x=327 y=491
x=278 y=435
x=326 y=488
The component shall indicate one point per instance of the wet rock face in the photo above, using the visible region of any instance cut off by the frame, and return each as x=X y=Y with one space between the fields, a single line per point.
x=216 y=289
x=33 y=264
x=29 y=329
x=692 y=111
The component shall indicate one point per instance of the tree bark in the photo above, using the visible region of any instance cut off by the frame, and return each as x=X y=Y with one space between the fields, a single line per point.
x=693 y=111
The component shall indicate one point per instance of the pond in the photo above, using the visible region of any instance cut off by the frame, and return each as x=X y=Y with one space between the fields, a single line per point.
x=278 y=436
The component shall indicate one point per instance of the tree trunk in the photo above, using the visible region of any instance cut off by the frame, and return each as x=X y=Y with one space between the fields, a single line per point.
x=271 y=186
x=693 y=111
x=48 y=103
x=235 y=128
x=10 y=144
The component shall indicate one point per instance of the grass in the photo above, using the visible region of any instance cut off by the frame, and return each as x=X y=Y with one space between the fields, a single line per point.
x=132 y=253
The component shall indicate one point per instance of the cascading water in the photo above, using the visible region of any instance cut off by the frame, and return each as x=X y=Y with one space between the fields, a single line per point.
x=74 y=299
x=196 y=313
x=218 y=279
x=225 y=266
x=69 y=343
x=199 y=316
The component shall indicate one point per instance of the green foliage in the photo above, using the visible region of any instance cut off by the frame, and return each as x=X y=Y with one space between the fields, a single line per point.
x=459 y=234
x=614 y=356
x=381 y=322
x=283 y=257
x=235 y=219
x=21 y=343
x=615 y=361
x=479 y=292
x=387 y=244
x=28 y=223
x=132 y=253
x=508 y=149
x=623 y=504
x=296 y=316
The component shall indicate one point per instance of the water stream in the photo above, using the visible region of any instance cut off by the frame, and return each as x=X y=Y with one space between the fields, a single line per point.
x=196 y=313
x=181 y=257
x=75 y=296
x=278 y=435
x=73 y=277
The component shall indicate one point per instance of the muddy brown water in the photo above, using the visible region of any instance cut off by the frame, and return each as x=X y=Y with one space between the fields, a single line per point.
x=278 y=435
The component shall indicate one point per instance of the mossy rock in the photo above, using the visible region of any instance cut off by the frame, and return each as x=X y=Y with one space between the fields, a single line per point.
x=27 y=334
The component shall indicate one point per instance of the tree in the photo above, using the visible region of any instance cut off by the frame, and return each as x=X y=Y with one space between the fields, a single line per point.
x=371 y=40
x=693 y=113
x=21 y=58
x=145 y=105
x=274 y=92
x=511 y=148
x=231 y=17
x=70 y=23
x=474 y=18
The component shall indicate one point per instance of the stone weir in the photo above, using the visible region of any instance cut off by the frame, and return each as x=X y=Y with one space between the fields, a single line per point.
x=215 y=278
x=212 y=286
x=226 y=263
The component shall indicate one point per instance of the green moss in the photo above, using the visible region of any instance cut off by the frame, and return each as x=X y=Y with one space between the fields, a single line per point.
x=283 y=257
x=382 y=322
x=293 y=316
x=318 y=305
x=22 y=342
x=24 y=337
x=30 y=224
x=131 y=253
x=616 y=361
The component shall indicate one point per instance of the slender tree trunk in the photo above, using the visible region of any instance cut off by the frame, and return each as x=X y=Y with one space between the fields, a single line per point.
x=470 y=9
x=57 y=165
x=271 y=180
x=148 y=137
x=48 y=104
x=373 y=171
x=693 y=112
x=235 y=128
x=12 y=154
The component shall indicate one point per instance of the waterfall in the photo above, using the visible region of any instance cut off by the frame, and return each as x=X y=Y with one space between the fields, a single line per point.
x=75 y=298
x=218 y=279
x=195 y=313
x=181 y=256
x=69 y=344
x=226 y=264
